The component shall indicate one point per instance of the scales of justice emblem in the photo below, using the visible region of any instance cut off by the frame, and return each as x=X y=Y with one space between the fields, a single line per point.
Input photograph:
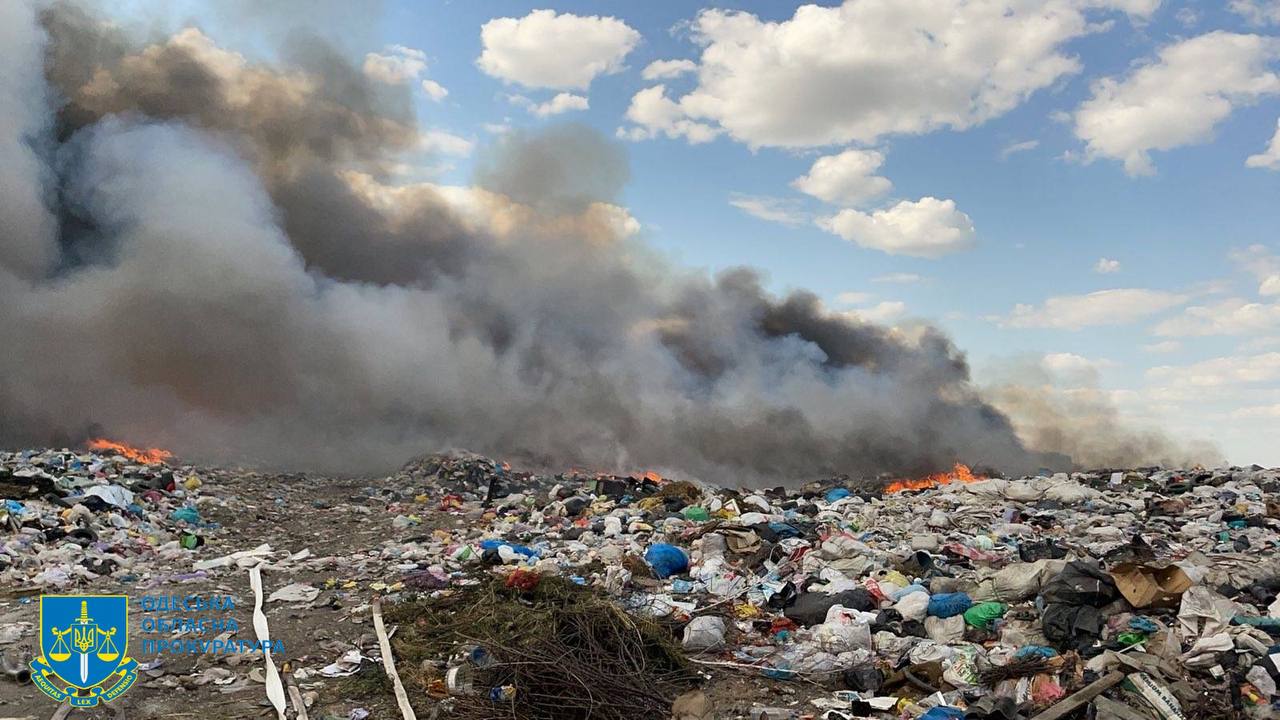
x=84 y=641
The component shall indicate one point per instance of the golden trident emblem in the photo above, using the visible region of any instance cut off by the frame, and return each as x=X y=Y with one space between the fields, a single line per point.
x=86 y=637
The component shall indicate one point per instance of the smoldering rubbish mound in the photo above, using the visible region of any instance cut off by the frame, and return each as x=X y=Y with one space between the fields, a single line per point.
x=508 y=593
x=215 y=255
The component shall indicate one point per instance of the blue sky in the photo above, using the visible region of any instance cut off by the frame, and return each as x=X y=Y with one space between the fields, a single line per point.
x=1071 y=147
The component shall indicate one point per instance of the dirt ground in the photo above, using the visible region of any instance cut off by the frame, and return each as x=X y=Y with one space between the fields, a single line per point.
x=344 y=524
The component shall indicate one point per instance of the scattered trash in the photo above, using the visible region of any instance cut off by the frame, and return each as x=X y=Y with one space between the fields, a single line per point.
x=945 y=605
x=345 y=666
x=1147 y=586
x=1113 y=594
x=704 y=633
x=666 y=560
x=294 y=592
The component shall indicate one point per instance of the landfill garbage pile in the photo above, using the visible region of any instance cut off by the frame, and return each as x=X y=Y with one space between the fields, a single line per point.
x=1132 y=594
x=1137 y=594
x=72 y=517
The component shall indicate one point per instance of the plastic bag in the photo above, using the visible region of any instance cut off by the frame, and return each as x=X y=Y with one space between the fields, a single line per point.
x=666 y=560
x=1203 y=612
x=704 y=633
x=836 y=636
x=913 y=606
x=945 y=630
x=983 y=614
x=945 y=605
x=1071 y=493
x=964 y=669
x=1024 y=491
x=1021 y=581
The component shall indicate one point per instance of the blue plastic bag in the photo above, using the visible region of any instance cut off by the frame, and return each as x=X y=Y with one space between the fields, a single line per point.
x=912 y=588
x=1143 y=624
x=784 y=530
x=518 y=549
x=666 y=560
x=943 y=712
x=945 y=605
x=835 y=494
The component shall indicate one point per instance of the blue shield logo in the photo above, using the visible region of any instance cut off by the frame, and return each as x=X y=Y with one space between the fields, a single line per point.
x=84 y=642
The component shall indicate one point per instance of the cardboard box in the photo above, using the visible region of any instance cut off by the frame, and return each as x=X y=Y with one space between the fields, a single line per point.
x=1150 y=585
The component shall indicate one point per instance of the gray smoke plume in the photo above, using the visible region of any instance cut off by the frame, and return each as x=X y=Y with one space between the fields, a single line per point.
x=1074 y=417
x=208 y=254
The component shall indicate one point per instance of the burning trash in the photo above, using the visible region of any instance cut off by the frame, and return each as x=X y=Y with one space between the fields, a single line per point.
x=561 y=596
x=150 y=456
x=242 y=250
x=959 y=474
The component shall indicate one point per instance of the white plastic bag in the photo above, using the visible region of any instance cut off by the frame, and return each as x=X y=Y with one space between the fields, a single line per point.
x=703 y=633
x=913 y=606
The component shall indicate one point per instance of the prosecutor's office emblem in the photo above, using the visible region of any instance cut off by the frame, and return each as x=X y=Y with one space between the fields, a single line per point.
x=84 y=646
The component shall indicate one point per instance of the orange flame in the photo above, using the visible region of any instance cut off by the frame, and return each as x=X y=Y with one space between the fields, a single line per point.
x=578 y=472
x=150 y=456
x=959 y=474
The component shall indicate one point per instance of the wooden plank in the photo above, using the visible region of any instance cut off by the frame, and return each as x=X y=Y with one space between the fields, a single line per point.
x=1081 y=697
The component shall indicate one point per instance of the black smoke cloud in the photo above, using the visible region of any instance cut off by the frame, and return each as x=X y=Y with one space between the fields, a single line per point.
x=212 y=255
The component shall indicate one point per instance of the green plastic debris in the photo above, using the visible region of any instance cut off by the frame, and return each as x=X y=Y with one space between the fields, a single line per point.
x=983 y=614
x=696 y=513
x=1131 y=638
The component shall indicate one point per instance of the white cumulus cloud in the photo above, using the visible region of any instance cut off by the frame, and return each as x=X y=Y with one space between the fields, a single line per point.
x=445 y=143
x=1232 y=316
x=396 y=65
x=1014 y=148
x=548 y=50
x=400 y=65
x=1263 y=264
x=853 y=297
x=879 y=313
x=1106 y=266
x=1220 y=372
x=1257 y=12
x=561 y=103
x=927 y=227
x=1269 y=158
x=434 y=90
x=1254 y=412
x=655 y=114
x=1178 y=99
x=1074 y=371
x=898 y=278
x=845 y=179
x=772 y=209
x=868 y=68
x=1066 y=362
x=663 y=69
x=1120 y=306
